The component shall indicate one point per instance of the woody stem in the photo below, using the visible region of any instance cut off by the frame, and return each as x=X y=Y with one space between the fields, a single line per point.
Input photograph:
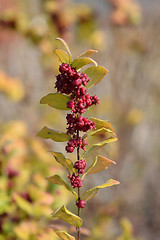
x=78 y=158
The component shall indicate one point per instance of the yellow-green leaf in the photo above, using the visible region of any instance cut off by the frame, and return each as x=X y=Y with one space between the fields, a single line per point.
x=97 y=132
x=81 y=62
x=67 y=48
x=23 y=204
x=96 y=74
x=100 y=163
x=91 y=192
x=56 y=100
x=62 y=55
x=88 y=53
x=60 y=158
x=97 y=146
x=67 y=216
x=62 y=234
x=102 y=124
x=57 y=136
x=58 y=180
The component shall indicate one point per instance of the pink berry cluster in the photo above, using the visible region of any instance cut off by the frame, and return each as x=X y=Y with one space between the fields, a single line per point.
x=75 y=180
x=70 y=81
x=74 y=143
x=73 y=83
x=80 y=166
x=78 y=123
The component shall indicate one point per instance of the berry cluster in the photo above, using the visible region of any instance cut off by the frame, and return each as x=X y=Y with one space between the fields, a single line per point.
x=74 y=143
x=78 y=123
x=84 y=101
x=75 y=180
x=73 y=83
x=80 y=166
x=70 y=81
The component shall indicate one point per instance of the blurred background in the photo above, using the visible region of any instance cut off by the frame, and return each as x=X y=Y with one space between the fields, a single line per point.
x=126 y=34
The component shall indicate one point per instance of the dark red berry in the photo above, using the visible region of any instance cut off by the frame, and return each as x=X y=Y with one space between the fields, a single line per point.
x=69 y=149
x=81 y=204
x=77 y=82
x=75 y=180
x=80 y=166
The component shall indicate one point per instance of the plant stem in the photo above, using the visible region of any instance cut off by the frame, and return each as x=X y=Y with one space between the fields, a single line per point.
x=78 y=158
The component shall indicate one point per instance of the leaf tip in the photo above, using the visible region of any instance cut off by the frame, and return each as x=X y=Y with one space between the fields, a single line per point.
x=116 y=182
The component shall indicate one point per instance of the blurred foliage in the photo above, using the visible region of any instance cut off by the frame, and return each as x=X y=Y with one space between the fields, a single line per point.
x=125 y=12
x=11 y=87
x=26 y=199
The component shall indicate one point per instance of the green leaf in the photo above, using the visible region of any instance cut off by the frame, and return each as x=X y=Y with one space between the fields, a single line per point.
x=58 y=180
x=99 y=124
x=60 y=158
x=91 y=192
x=62 y=234
x=96 y=74
x=81 y=62
x=56 y=100
x=23 y=204
x=57 y=136
x=67 y=48
x=97 y=146
x=100 y=163
x=88 y=53
x=67 y=216
x=62 y=55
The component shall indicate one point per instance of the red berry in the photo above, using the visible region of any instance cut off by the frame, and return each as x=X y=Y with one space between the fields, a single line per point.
x=77 y=82
x=81 y=204
x=69 y=149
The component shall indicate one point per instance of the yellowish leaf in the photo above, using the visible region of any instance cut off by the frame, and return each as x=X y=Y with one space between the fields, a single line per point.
x=57 y=136
x=67 y=216
x=58 y=180
x=97 y=146
x=56 y=100
x=81 y=62
x=91 y=192
x=102 y=124
x=67 y=48
x=60 y=158
x=62 y=55
x=101 y=163
x=62 y=234
x=88 y=53
x=96 y=74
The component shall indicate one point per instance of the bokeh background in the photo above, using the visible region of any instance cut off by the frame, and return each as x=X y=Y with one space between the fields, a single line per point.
x=127 y=35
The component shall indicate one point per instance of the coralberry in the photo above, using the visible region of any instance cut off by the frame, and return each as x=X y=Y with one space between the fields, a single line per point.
x=80 y=166
x=73 y=83
x=81 y=204
x=75 y=180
